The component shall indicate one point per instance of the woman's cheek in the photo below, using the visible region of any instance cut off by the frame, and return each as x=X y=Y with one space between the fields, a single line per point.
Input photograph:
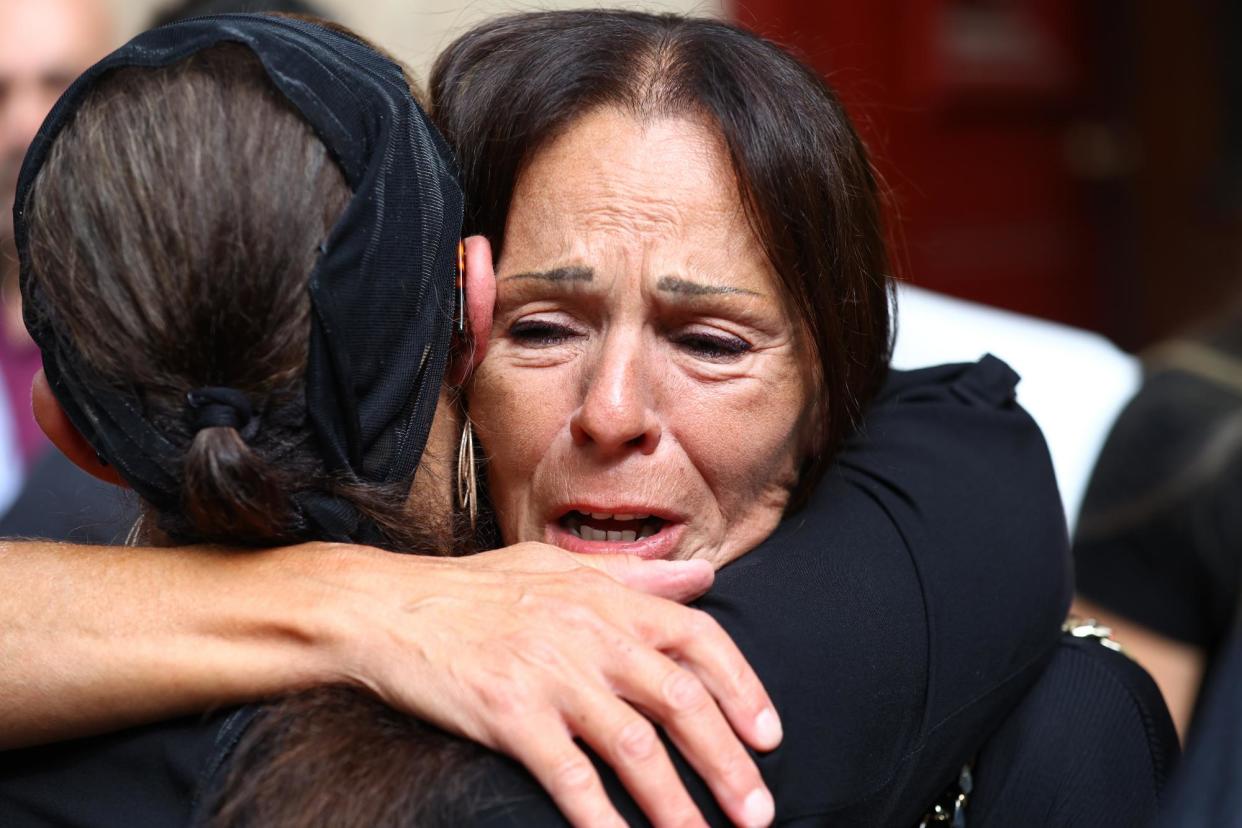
x=514 y=412
x=762 y=460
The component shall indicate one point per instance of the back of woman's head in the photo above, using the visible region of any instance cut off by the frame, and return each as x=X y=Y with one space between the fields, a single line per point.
x=195 y=268
x=173 y=228
x=510 y=86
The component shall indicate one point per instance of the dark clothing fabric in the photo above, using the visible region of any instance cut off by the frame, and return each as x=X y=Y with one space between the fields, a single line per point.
x=60 y=502
x=1160 y=537
x=1090 y=746
x=895 y=620
x=145 y=776
x=1206 y=791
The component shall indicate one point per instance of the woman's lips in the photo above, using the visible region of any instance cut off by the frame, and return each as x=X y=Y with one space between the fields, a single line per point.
x=596 y=532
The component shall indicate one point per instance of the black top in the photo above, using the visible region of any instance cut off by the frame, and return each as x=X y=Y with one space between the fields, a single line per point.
x=1091 y=745
x=58 y=501
x=895 y=621
x=1160 y=537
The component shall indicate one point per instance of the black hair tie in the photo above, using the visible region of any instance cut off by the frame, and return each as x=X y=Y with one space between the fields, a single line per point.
x=220 y=408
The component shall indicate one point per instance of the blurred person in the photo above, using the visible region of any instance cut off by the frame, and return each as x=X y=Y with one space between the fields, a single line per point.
x=1158 y=550
x=44 y=45
x=1205 y=792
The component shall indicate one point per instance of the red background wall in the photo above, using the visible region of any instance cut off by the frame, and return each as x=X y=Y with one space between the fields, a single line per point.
x=1030 y=147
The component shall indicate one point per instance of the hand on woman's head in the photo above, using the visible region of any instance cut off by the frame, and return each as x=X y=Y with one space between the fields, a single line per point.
x=644 y=360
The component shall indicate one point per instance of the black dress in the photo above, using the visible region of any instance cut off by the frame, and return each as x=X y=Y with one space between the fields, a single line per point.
x=60 y=502
x=895 y=621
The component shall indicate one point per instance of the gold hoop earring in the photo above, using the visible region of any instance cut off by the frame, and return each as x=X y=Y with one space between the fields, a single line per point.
x=467 y=475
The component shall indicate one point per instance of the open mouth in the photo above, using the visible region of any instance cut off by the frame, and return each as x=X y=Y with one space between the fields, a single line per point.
x=617 y=528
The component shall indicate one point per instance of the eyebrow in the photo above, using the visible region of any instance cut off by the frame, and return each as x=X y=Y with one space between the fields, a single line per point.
x=668 y=284
x=673 y=284
x=557 y=274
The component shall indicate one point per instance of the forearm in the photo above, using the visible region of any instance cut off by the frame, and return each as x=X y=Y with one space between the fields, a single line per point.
x=97 y=638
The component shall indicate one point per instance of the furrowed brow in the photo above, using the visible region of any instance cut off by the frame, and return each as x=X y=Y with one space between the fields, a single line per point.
x=556 y=274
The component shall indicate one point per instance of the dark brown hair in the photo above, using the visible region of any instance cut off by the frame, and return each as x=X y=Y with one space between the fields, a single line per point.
x=508 y=87
x=335 y=756
x=173 y=229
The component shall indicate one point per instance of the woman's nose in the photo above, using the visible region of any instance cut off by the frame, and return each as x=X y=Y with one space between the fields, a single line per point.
x=615 y=416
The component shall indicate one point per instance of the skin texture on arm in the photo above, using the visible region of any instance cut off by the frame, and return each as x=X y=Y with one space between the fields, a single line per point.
x=94 y=639
x=97 y=638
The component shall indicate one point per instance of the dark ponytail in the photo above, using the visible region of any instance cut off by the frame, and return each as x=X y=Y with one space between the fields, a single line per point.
x=230 y=492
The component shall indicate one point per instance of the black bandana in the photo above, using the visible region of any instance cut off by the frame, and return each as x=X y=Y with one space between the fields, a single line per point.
x=382 y=293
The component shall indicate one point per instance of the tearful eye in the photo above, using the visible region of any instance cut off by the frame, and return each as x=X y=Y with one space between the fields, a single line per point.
x=541 y=333
x=713 y=347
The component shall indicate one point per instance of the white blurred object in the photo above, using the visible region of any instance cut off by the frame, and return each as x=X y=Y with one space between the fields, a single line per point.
x=11 y=468
x=1074 y=383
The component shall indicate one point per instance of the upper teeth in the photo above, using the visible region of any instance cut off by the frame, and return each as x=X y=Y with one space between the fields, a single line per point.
x=574 y=522
x=587 y=533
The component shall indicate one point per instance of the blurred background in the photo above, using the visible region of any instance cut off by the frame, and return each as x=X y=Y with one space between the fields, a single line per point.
x=1075 y=161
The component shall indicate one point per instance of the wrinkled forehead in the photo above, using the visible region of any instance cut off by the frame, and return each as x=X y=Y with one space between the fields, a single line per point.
x=615 y=181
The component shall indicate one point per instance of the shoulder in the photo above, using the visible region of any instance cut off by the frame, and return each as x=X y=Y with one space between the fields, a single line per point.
x=924 y=581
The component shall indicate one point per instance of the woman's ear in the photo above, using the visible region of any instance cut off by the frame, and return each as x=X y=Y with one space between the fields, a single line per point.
x=51 y=418
x=480 y=288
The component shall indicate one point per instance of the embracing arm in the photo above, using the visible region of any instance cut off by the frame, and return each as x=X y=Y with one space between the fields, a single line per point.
x=521 y=649
x=899 y=616
x=97 y=638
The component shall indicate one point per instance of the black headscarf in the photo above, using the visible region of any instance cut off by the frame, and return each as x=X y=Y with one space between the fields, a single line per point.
x=382 y=293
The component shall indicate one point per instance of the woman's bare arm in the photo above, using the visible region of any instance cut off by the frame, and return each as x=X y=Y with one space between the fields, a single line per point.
x=98 y=638
x=94 y=639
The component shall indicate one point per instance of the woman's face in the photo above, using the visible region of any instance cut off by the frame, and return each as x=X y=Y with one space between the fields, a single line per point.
x=645 y=391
